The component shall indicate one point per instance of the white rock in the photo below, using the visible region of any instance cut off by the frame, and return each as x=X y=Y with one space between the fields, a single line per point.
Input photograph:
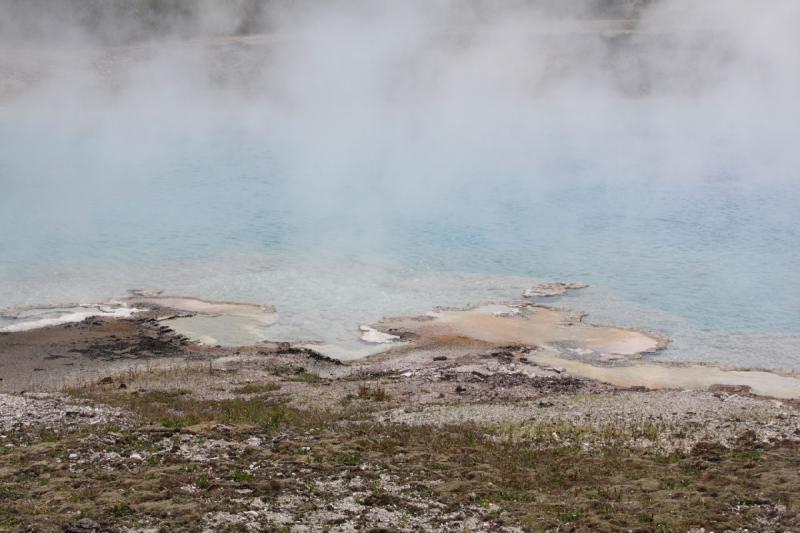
x=378 y=337
x=253 y=441
x=551 y=289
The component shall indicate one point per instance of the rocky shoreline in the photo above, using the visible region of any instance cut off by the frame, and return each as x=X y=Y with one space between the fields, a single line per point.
x=126 y=425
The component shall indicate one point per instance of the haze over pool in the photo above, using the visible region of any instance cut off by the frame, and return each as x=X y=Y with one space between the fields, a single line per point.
x=383 y=161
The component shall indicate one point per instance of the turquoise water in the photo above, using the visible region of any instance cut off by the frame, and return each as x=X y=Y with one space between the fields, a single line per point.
x=708 y=256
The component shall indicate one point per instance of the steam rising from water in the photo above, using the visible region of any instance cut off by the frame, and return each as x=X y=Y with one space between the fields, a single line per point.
x=645 y=146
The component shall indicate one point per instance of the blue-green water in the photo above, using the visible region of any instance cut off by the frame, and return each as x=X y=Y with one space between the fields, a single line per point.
x=708 y=256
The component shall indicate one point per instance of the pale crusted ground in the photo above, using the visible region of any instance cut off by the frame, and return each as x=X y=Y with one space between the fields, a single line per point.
x=665 y=420
x=38 y=412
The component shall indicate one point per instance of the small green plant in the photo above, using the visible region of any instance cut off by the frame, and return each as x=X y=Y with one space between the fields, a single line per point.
x=351 y=459
x=174 y=423
x=240 y=476
x=254 y=388
x=746 y=455
x=120 y=510
x=483 y=502
x=671 y=458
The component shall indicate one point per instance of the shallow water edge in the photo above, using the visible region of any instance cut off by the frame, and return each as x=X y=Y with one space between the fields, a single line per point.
x=533 y=335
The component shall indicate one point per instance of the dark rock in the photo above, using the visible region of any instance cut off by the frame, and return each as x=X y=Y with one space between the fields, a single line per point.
x=402 y=335
x=440 y=358
x=460 y=389
x=106 y=380
x=750 y=439
x=284 y=348
x=139 y=346
x=730 y=389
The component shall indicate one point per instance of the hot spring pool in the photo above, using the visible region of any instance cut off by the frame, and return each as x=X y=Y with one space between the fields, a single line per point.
x=710 y=259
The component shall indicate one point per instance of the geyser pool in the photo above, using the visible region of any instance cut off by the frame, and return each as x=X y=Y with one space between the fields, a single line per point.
x=710 y=262
x=359 y=159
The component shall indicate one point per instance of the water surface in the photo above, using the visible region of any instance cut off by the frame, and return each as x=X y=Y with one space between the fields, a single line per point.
x=707 y=257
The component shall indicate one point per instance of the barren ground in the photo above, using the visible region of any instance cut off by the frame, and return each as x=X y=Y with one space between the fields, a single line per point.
x=155 y=433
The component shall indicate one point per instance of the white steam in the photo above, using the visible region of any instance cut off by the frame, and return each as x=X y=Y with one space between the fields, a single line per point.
x=409 y=105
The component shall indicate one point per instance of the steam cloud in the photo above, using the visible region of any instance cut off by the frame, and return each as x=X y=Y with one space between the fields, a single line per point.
x=401 y=103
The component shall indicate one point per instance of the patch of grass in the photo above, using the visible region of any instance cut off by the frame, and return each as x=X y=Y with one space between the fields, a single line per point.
x=175 y=410
x=174 y=423
x=350 y=459
x=537 y=475
x=673 y=457
x=240 y=476
x=306 y=377
x=168 y=395
x=459 y=466
x=746 y=455
x=254 y=388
